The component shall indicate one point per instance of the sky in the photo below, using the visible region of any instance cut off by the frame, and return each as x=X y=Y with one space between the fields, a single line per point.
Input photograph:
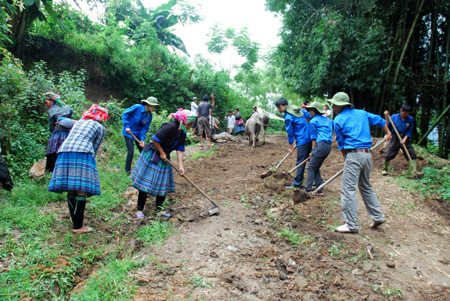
x=263 y=25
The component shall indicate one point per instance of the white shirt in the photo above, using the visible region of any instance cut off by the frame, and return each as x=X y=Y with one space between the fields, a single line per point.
x=194 y=108
x=231 y=120
x=327 y=114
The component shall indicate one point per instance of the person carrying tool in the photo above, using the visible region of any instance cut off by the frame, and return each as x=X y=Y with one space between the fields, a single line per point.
x=404 y=124
x=297 y=129
x=321 y=129
x=353 y=139
x=136 y=120
x=76 y=169
x=152 y=174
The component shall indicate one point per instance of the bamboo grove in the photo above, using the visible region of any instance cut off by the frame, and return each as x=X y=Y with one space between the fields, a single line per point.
x=383 y=53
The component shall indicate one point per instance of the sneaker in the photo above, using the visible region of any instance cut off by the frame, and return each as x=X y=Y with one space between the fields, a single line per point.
x=384 y=172
x=376 y=224
x=345 y=229
x=293 y=186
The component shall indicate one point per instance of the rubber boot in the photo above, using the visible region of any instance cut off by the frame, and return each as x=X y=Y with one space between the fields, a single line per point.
x=78 y=213
x=385 y=170
x=419 y=173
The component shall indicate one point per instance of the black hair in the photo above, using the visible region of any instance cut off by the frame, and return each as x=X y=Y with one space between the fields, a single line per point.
x=237 y=109
x=230 y=112
x=281 y=102
x=406 y=108
x=205 y=97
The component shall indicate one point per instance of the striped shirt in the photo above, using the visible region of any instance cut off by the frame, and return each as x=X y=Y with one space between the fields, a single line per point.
x=85 y=137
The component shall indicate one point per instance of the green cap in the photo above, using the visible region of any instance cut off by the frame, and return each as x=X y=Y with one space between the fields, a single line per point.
x=316 y=105
x=294 y=110
x=341 y=99
x=152 y=101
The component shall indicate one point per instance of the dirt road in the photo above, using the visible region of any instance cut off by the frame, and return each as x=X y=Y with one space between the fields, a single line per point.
x=263 y=247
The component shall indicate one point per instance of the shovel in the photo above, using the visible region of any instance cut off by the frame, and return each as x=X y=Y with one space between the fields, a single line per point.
x=342 y=170
x=216 y=208
x=295 y=168
x=404 y=148
x=270 y=172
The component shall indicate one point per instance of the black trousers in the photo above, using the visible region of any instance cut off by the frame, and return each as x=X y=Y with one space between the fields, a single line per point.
x=130 y=153
x=5 y=176
x=142 y=197
x=395 y=145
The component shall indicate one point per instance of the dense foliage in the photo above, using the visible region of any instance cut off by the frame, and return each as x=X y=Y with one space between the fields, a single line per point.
x=381 y=53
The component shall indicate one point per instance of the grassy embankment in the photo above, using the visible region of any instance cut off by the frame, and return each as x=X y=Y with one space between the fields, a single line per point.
x=42 y=259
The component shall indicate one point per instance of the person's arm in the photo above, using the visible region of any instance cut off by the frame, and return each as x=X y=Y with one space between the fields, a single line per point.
x=162 y=154
x=180 y=162
x=290 y=133
x=409 y=132
x=144 y=130
x=313 y=146
x=99 y=139
x=213 y=102
x=126 y=117
x=339 y=138
x=306 y=114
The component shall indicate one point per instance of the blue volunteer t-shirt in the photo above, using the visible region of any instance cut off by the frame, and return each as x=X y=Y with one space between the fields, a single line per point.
x=403 y=126
x=297 y=128
x=137 y=120
x=321 y=129
x=352 y=128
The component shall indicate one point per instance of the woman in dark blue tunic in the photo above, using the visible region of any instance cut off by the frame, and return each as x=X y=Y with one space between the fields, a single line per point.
x=56 y=109
x=152 y=174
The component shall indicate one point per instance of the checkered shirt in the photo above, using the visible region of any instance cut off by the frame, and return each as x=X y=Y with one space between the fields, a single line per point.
x=85 y=137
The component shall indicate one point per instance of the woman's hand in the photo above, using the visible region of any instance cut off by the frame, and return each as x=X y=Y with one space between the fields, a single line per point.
x=142 y=144
x=163 y=156
x=181 y=170
x=291 y=149
x=128 y=130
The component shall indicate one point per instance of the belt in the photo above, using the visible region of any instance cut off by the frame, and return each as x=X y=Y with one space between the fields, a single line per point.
x=361 y=150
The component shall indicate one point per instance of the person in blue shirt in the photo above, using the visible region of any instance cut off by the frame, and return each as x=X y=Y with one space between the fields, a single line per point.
x=352 y=130
x=136 y=120
x=297 y=129
x=404 y=124
x=321 y=129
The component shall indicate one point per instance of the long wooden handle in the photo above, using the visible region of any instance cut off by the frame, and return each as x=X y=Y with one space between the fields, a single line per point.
x=342 y=170
x=404 y=147
x=192 y=183
x=135 y=137
x=299 y=165
x=284 y=159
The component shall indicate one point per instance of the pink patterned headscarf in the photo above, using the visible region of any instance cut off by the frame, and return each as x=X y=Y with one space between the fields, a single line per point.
x=96 y=113
x=54 y=97
x=184 y=117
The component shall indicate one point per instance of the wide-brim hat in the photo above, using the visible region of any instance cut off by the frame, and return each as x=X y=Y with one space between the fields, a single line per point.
x=316 y=105
x=294 y=110
x=152 y=101
x=341 y=99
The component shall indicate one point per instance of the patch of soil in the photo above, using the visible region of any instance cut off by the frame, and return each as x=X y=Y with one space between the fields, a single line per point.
x=269 y=243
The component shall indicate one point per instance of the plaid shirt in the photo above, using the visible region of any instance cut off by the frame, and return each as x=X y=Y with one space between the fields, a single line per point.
x=85 y=137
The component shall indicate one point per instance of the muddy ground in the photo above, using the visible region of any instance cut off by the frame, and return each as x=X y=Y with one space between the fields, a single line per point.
x=242 y=254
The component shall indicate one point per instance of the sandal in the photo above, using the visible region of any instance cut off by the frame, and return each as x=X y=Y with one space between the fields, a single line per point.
x=140 y=215
x=82 y=230
x=165 y=215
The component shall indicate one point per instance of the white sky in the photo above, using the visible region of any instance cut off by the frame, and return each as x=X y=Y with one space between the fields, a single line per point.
x=263 y=25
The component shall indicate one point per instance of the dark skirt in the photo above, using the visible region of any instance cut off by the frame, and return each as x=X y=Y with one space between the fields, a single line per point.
x=239 y=128
x=155 y=179
x=75 y=171
x=54 y=143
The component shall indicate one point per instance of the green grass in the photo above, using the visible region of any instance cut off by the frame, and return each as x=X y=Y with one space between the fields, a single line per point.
x=205 y=154
x=294 y=237
x=156 y=233
x=45 y=256
x=110 y=283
